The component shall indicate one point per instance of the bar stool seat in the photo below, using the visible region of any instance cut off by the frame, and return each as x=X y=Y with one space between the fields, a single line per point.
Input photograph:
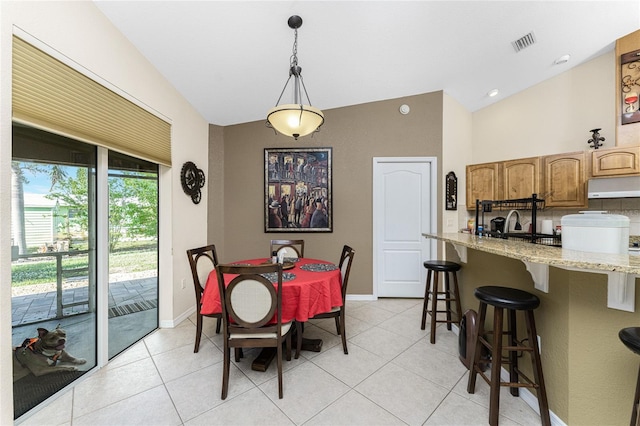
x=507 y=298
x=432 y=290
x=512 y=300
x=630 y=336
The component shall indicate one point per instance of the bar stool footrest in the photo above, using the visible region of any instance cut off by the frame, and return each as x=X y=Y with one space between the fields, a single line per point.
x=529 y=384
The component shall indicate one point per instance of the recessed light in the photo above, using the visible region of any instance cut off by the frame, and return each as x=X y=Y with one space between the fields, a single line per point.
x=493 y=93
x=562 y=59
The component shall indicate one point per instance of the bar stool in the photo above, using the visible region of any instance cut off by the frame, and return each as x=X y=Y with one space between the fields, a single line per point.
x=631 y=338
x=512 y=300
x=432 y=292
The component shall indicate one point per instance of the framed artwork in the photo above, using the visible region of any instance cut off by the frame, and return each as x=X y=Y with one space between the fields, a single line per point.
x=451 y=192
x=630 y=85
x=297 y=190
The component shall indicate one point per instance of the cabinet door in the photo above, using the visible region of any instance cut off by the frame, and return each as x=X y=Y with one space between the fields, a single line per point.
x=521 y=178
x=565 y=180
x=482 y=183
x=616 y=161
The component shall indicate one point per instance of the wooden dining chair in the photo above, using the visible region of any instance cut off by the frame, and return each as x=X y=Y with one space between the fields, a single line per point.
x=338 y=312
x=202 y=260
x=291 y=248
x=250 y=301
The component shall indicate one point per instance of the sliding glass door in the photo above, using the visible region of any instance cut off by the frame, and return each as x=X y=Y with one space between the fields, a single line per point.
x=58 y=279
x=53 y=268
x=133 y=250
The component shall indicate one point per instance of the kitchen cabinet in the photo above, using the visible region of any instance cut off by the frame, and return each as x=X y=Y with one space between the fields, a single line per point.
x=622 y=161
x=565 y=180
x=483 y=183
x=560 y=179
x=521 y=178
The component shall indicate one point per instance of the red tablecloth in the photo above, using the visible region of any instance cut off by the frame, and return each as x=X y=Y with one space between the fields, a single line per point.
x=309 y=294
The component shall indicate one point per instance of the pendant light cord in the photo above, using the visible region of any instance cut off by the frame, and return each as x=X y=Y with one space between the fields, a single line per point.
x=296 y=72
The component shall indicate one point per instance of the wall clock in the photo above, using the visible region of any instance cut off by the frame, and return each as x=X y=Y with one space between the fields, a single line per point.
x=192 y=179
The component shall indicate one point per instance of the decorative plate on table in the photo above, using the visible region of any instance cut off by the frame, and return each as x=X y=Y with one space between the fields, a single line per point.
x=291 y=259
x=319 y=267
x=273 y=276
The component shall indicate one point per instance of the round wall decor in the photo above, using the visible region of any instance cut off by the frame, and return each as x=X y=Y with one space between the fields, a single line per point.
x=192 y=179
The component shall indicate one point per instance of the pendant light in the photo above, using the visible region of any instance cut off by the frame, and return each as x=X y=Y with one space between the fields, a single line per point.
x=295 y=119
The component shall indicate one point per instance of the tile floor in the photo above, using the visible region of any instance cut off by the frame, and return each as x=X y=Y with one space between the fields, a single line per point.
x=392 y=376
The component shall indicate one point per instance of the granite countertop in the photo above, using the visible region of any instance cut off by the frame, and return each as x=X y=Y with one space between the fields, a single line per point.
x=537 y=253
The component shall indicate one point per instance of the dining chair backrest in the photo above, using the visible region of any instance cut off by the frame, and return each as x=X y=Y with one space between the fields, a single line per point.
x=345 y=267
x=290 y=248
x=202 y=260
x=250 y=299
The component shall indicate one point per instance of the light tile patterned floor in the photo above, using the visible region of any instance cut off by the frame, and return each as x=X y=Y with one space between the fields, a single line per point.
x=392 y=376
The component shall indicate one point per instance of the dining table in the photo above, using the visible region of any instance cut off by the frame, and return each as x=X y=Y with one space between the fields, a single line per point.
x=309 y=287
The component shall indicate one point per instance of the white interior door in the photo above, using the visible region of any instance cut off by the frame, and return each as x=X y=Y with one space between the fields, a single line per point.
x=404 y=207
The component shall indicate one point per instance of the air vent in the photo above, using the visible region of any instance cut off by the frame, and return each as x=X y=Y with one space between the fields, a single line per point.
x=524 y=42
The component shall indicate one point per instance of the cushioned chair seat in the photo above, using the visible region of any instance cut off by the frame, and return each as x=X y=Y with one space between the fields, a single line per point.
x=285 y=330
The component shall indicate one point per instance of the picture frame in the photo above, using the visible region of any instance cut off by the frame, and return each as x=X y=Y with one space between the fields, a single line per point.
x=451 y=191
x=298 y=190
x=630 y=87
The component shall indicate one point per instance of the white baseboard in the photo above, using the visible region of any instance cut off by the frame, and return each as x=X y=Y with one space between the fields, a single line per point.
x=362 y=297
x=174 y=322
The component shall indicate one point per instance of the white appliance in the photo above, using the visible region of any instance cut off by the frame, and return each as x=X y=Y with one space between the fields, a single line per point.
x=614 y=187
x=595 y=231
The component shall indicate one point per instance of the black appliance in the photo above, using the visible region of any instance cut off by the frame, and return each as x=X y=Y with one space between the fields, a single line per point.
x=497 y=224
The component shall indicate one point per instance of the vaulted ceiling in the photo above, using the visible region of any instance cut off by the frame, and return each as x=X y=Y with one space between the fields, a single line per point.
x=230 y=59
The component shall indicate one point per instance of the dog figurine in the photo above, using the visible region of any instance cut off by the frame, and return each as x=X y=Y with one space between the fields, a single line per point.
x=42 y=355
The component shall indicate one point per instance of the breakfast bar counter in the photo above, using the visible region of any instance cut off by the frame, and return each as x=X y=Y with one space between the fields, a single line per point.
x=585 y=300
x=542 y=254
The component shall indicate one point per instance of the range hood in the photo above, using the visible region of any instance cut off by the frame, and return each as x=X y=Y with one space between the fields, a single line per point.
x=614 y=187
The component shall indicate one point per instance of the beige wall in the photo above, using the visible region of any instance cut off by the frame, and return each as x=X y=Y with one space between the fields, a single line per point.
x=81 y=33
x=551 y=117
x=457 y=131
x=215 y=187
x=356 y=134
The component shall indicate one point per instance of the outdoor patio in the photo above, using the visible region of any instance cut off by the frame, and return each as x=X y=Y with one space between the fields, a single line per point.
x=124 y=297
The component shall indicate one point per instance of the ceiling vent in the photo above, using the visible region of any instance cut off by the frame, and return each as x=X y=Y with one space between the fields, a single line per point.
x=524 y=41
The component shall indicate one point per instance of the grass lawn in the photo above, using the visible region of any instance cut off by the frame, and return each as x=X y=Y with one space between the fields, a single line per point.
x=44 y=271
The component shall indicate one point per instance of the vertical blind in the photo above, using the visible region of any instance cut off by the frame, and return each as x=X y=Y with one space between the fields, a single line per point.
x=53 y=96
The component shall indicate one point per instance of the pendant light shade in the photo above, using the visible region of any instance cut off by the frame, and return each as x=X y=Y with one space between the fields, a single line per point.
x=295 y=120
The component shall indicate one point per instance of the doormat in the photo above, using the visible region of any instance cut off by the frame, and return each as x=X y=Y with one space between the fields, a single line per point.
x=30 y=391
x=133 y=307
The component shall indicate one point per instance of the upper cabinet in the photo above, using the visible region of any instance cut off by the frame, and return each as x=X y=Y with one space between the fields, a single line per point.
x=565 y=180
x=483 y=182
x=616 y=161
x=560 y=180
x=521 y=178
